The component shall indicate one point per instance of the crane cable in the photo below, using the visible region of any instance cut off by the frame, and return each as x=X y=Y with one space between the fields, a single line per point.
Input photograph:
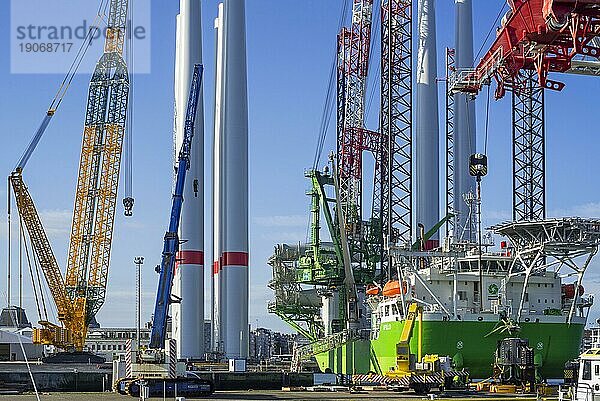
x=487 y=121
x=128 y=144
x=487 y=109
x=76 y=64
x=33 y=283
x=62 y=91
x=329 y=104
x=490 y=31
x=53 y=308
x=38 y=277
x=466 y=98
x=375 y=39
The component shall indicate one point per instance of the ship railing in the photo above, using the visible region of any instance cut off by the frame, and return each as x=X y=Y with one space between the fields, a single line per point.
x=497 y=308
x=326 y=344
x=586 y=300
x=432 y=308
x=565 y=393
x=585 y=392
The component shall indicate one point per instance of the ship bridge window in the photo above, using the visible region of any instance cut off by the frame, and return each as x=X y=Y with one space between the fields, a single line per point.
x=587 y=370
x=597 y=370
x=394 y=310
x=387 y=310
x=462 y=295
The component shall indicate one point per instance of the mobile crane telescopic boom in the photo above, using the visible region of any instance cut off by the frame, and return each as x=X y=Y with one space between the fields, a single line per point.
x=156 y=367
x=171 y=244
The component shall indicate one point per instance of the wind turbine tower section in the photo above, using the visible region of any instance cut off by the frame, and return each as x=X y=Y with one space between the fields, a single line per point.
x=234 y=207
x=427 y=127
x=188 y=315
x=217 y=282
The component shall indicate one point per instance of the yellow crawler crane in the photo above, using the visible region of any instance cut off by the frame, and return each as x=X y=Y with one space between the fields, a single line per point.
x=80 y=295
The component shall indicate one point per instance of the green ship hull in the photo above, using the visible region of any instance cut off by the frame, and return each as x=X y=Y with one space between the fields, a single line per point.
x=469 y=343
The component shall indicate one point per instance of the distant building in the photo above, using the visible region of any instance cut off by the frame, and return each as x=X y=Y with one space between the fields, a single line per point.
x=14 y=317
x=12 y=344
x=266 y=344
x=110 y=342
x=15 y=336
x=283 y=344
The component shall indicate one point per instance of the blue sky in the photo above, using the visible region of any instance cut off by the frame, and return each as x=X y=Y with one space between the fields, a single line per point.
x=290 y=45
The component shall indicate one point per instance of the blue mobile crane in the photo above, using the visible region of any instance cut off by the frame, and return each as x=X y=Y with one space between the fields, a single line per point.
x=155 y=368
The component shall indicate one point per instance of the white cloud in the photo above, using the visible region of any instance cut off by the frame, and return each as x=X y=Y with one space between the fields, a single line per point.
x=281 y=221
x=56 y=222
x=591 y=209
x=130 y=224
x=496 y=215
x=277 y=237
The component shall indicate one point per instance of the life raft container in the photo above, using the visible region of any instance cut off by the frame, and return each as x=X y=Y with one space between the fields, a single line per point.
x=392 y=288
x=372 y=289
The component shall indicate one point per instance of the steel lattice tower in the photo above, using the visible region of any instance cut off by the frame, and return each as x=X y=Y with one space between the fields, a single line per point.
x=450 y=68
x=96 y=192
x=529 y=173
x=353 y=65
x=396 y=118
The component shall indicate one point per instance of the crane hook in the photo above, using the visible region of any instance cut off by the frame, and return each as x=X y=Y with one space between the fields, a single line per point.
x=128 y=204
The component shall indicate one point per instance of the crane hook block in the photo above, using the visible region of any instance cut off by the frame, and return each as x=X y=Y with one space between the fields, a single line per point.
x=128 y=204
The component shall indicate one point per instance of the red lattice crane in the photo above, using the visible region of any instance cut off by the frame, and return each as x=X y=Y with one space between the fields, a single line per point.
x=354 y=47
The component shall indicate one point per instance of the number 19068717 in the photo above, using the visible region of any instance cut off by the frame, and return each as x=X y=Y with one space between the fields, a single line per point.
x=50 y=47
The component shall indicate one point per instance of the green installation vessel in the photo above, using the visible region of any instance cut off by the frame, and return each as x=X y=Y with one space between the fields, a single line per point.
x=347 y=290
x=539 y=298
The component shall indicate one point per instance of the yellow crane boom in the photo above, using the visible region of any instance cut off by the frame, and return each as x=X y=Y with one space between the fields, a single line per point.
x=50 y=333
x=415 y=311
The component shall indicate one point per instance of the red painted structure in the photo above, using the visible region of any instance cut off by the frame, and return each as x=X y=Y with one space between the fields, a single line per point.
x=540 y=35
x=354 y=47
